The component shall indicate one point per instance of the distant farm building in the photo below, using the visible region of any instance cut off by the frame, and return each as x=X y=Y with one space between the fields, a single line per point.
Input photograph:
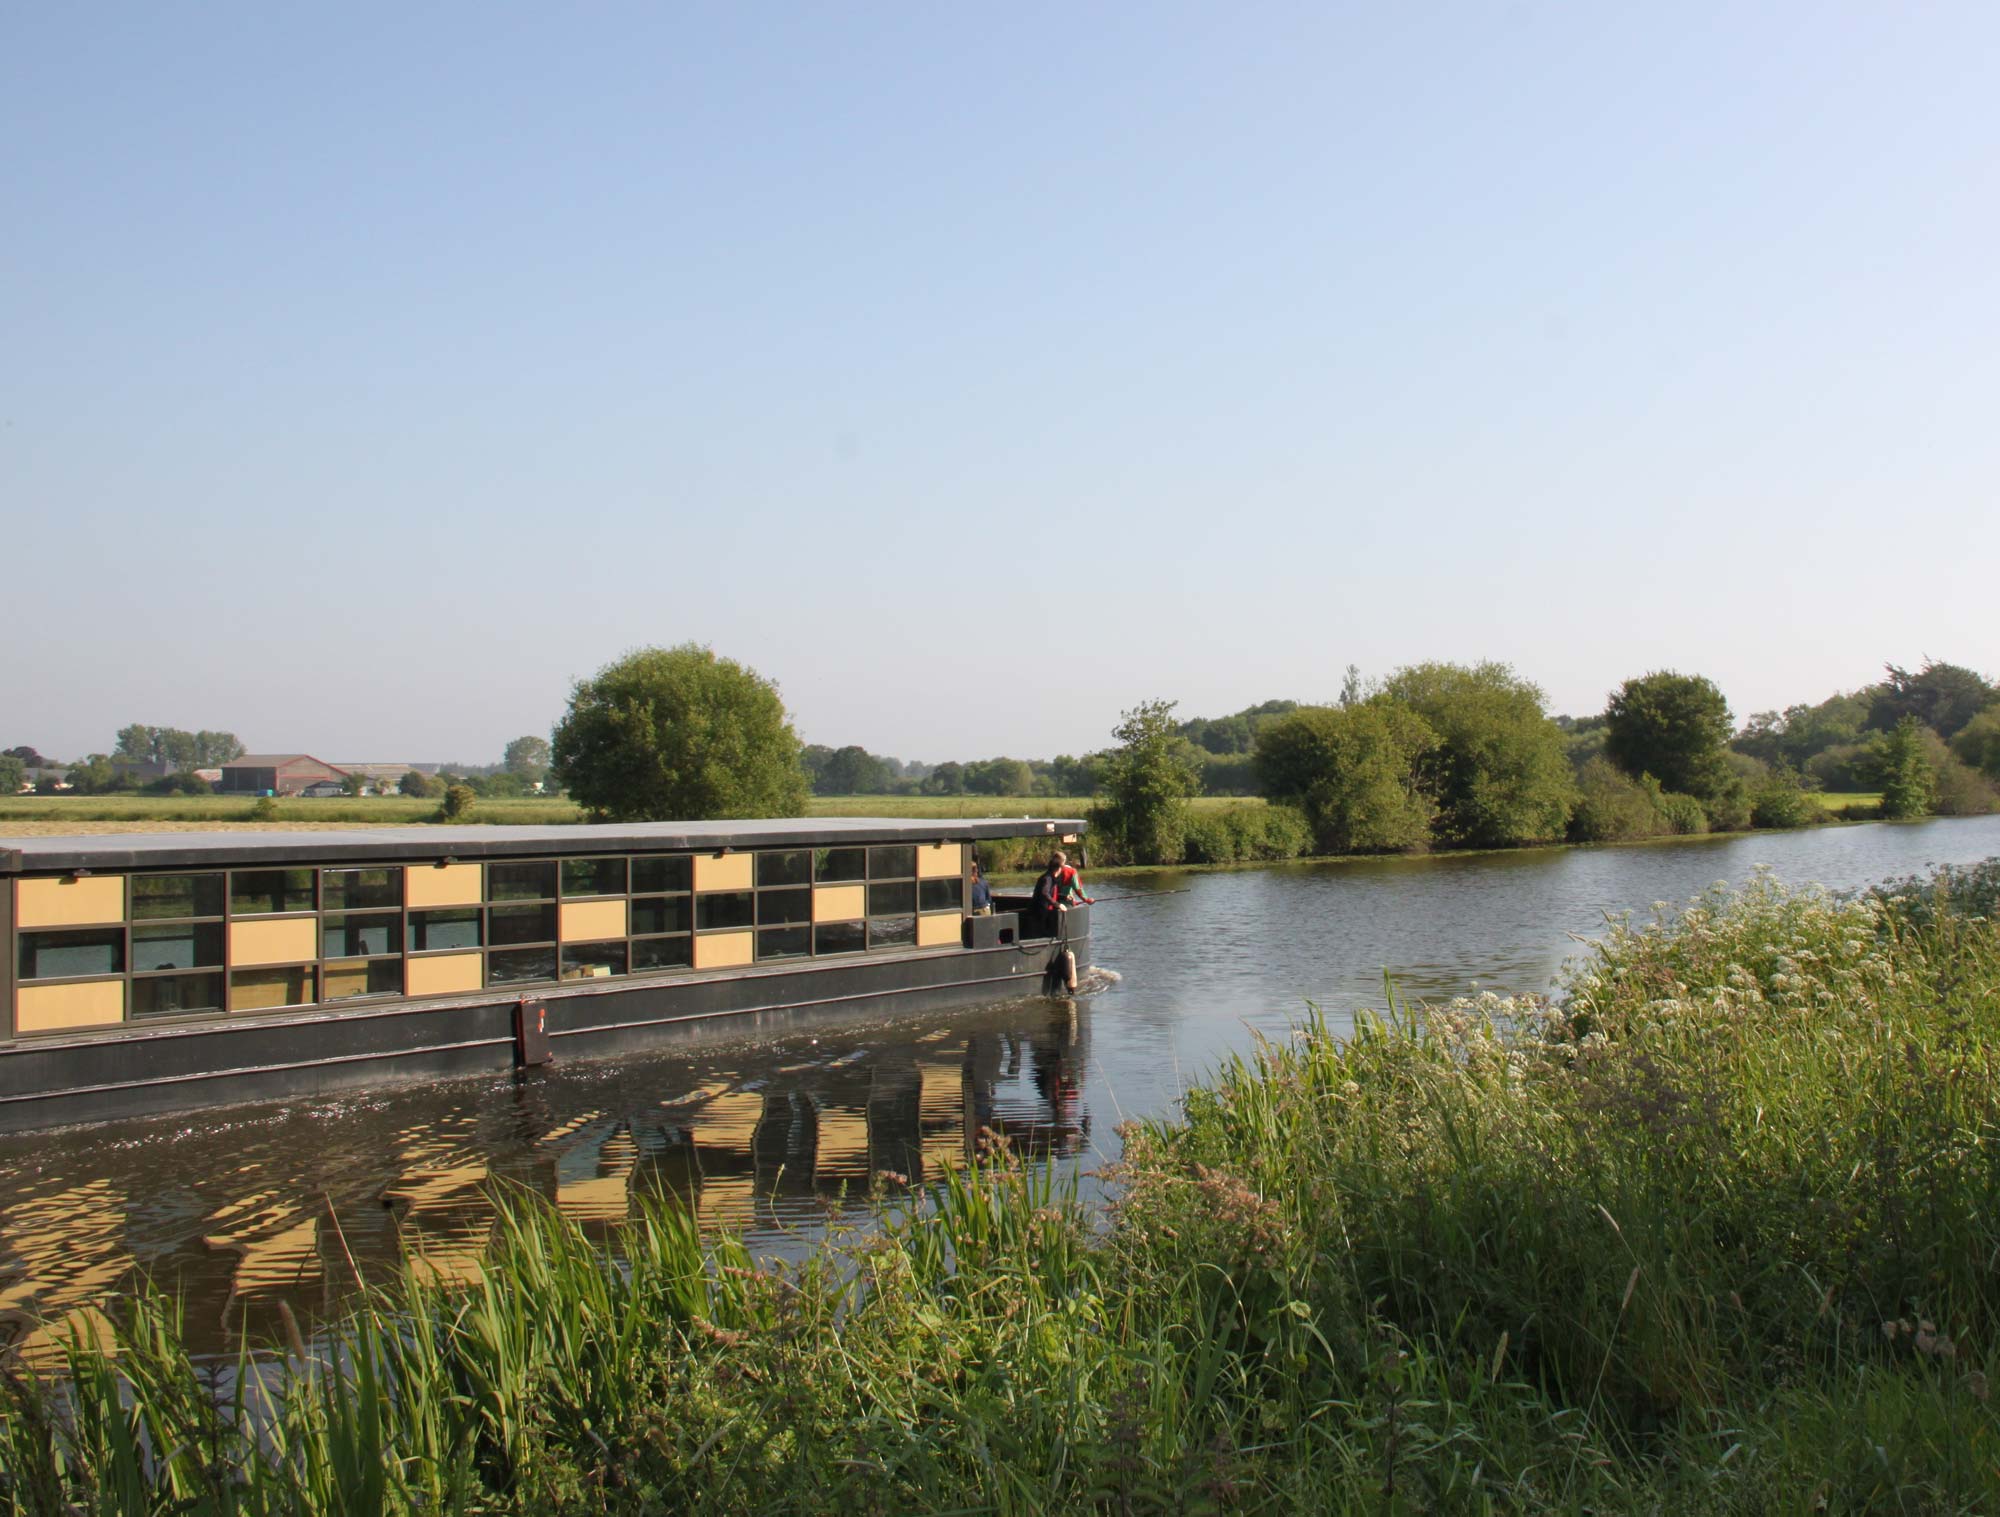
x=383 y=779
x=276 y=773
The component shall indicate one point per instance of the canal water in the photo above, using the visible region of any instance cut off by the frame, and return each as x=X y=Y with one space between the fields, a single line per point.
x=247 y=1209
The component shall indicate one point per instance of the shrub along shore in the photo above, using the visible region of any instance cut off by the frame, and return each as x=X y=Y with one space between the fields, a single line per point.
x=1712 y=1231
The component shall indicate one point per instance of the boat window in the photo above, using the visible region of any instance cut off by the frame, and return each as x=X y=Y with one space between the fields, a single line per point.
x=172 y=995
x=784 y=942
x=360 y=889
x=777 y=907
x=941 y=895
x=521 y=882
x=791 y=866
x=267 y=989
x=592 y=961
x=895 y=862
x=369 y=977
x=727 y=908
x=431 y=930
x=68 y=955
x=507 y=925
x=657 y=914
x=519 y=965
x=892 y=900
x=176 y=895
x=593 y=877
x=190 y=945
x=355 y=937
x=253 y=892
x=892 y=932
x=837 y=866
x=662 y=953
x=662 y=874
x=839 y=937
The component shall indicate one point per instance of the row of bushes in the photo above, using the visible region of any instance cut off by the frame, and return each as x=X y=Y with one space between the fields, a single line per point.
x=1711 y=1233
x=1612 y=807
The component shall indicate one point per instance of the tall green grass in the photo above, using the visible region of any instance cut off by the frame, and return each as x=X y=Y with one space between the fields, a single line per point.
x=1715 y=1231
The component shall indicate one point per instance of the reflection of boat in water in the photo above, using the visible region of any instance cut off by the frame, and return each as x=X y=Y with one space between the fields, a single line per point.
x=762 y=1142
x=163 y=972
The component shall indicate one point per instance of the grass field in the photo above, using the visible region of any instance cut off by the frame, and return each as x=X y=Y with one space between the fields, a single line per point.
x=1840 y=800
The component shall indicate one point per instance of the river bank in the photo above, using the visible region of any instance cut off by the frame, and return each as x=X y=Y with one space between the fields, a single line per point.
x=1711 y=1234
x=1024 y=872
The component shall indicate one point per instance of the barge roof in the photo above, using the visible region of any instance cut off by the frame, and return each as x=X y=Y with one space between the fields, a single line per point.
x=166 y=850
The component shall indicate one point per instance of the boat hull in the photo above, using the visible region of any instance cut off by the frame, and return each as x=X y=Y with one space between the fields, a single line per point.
x=170 y=1067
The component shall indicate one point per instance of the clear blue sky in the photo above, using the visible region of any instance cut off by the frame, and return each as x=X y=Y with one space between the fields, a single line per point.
x=371 y=372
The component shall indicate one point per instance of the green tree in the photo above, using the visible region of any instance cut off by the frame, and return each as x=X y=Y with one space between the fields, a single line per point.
x=1073 y=776
x=1909 y=785
x=1147 y=782
x=852 y=770
x=1961 y=789
x=1229 y=774
x=1499 y=772
x=457 y=804
x=178 y=748
x=1354 y=772
x=1611 y=806
x=352 y=783
x=999 y=776
x=1944 y=697
x=1978 y=743
x=1779 y=799
x=1799 y=734
x=13 y=774
x=678 y=733
x=416 y=783
x=138 y=742
x=214 y=749
x=94 y=776
x=527 y=759
x=1674 y=727
x=1236 y=733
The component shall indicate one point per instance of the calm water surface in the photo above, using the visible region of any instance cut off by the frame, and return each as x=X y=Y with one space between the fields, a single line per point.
x=248 y=1208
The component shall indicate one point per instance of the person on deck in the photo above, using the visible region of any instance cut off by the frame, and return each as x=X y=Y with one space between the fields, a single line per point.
x=1059 y=888
x=982 y=894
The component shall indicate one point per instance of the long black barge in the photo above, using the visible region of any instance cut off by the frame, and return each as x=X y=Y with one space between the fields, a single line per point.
x=159 y=972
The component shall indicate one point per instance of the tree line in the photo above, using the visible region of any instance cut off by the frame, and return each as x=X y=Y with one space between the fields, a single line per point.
x=1467 y=756
x=1434 y=755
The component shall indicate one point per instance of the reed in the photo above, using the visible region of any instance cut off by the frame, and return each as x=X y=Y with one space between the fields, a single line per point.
x=1713 y=1230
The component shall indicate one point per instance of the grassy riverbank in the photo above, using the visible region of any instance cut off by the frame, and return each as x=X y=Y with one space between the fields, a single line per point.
x=1715 y=1233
